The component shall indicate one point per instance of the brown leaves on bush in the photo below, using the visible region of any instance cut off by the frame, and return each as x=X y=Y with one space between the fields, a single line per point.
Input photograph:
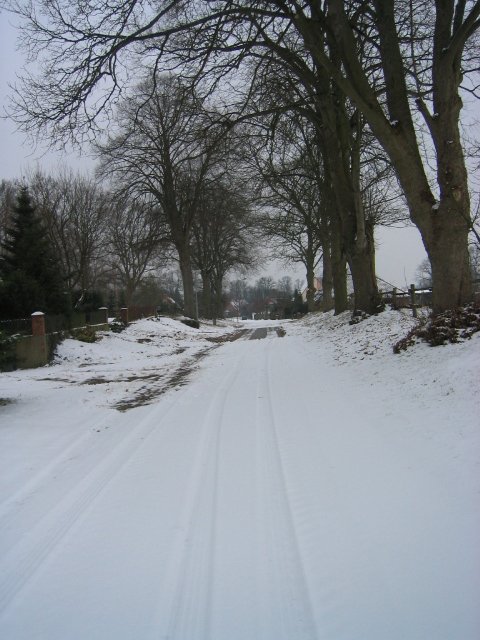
x=84 y=334
x=450 y=326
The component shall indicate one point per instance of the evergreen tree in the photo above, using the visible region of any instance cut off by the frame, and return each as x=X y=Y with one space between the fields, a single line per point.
x=30 y=279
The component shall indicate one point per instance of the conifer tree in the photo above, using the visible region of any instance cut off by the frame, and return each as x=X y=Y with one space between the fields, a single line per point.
x=30 y=279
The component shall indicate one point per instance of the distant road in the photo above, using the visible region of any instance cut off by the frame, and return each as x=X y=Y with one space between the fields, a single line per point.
x=259 y=334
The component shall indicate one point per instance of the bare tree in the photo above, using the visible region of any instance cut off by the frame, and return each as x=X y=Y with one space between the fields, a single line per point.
x=163 y=151
x=223 y=237
x=285 y=287
x=293 y=199
x=395 y=61
x=75 y=212
x=136 y=235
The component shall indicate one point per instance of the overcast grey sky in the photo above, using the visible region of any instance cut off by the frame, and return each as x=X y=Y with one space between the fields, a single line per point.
x=399 y=251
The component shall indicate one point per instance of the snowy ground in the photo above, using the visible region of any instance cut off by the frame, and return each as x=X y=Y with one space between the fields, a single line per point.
x=169 y=482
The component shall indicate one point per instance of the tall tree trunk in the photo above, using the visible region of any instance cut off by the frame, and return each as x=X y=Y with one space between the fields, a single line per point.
x=129 y=291
x=219 y=295
x=310 y=283
x=339 y=269
x=207 y=302
x=357 y=245
x=310 y=267
x=444 y=225
x=187 y=280
x=447 y=248
x=341 y=153
x=327 y=277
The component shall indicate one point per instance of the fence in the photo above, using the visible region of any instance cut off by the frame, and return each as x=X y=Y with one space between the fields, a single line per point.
x=59 y=323
x=413 y=298
x=13 y=327
x=39 y=334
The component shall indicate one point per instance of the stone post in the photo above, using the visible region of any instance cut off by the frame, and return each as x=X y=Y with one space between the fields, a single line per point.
x=124 y=315
x=38 y=324
x=105 y=311
x=32 y=352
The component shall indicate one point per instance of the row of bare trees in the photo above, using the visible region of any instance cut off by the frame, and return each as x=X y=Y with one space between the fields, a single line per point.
x=380 y=84
x=167 y=148
x=169 y=187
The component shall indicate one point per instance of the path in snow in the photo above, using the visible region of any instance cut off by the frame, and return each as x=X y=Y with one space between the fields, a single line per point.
x=260 y=502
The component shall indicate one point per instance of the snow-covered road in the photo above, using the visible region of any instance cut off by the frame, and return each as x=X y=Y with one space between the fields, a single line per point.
x=275 y=497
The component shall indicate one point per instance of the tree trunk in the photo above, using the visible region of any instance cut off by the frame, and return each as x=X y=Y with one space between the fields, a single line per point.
x=444 y=225
x=310 y=284
x=339 y=269
x=219 y=296
x=341 y=153
x=448 y=253
x=129 y=291
x=327 y=277
x=207 y=297
x=187 y=280
x=357 y=244
x=310 y=266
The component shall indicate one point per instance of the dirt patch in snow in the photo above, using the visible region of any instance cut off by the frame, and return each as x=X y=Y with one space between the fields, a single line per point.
x=161 y=383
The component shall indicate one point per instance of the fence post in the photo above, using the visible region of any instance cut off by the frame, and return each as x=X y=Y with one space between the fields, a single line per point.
x=38 y=324
x=394 y=298
x=105 y=311
x=124 y=315
x=32 y=352
x=414 y=301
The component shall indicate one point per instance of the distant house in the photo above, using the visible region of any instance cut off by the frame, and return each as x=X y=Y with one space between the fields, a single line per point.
x=317 y=284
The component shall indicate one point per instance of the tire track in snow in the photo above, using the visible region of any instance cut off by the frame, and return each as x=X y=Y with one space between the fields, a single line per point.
x=19 y=566
x=44 y=476
x=186 y=608
x=328 y=529
x=290 y=612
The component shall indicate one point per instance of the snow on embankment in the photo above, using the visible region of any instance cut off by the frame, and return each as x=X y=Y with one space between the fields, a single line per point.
x=442 y=384
x=390 y=454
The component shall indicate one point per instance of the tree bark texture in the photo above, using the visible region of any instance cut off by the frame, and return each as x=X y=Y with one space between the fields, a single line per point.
x=310 y=266
x=187 y=280
x=327 y=278
x=339 y=269
x=207 y=302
